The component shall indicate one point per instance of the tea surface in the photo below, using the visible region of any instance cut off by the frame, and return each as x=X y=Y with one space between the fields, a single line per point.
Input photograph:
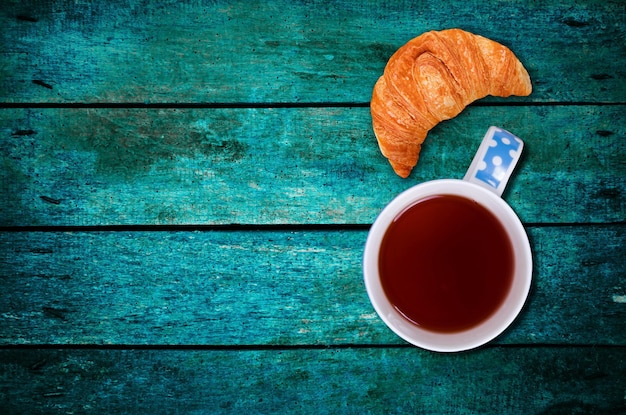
x=446 y=263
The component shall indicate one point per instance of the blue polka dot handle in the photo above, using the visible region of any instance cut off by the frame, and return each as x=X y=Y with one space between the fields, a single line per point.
x=495 y=160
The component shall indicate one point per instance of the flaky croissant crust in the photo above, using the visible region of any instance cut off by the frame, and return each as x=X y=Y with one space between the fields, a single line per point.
x=433 y=78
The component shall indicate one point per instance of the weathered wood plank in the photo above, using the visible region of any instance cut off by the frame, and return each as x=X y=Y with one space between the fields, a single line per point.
x=271 y=287
x=334 y=381
x=288 y=165
x=286 y=51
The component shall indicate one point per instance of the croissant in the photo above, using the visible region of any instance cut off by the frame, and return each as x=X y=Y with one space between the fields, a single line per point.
x=432 y=78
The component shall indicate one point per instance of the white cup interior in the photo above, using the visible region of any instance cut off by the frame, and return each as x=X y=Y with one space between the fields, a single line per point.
x=494 y=325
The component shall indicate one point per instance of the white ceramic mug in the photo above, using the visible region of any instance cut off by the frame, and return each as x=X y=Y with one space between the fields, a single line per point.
x=484 y=183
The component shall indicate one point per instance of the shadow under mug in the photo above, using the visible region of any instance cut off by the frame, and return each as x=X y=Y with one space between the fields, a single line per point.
x=484 y=183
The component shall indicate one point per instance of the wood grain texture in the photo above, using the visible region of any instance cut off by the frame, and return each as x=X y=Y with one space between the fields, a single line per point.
x=288 y=165
x=271 y=288
x=325 y=381
x=133 y=112
x=287 y=51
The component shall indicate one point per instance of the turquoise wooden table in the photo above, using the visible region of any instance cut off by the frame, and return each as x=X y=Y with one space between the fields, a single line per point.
x=186 y=189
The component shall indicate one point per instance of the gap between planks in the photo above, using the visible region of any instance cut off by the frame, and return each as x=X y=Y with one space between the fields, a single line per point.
x=280 y=347
x=255 y=227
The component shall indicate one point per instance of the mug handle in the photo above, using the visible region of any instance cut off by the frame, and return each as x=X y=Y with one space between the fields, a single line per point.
x=495 y=160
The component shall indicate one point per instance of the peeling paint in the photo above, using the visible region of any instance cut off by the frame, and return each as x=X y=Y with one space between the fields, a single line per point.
x=619 y=298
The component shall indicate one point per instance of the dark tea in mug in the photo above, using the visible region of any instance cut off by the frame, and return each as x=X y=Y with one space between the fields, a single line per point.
x=446 y=263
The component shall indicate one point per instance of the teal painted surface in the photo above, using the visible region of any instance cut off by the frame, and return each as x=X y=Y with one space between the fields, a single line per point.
x=289 y=165
x=326 y=381
x=286 y=51
x=271 y=288
x=263 y=120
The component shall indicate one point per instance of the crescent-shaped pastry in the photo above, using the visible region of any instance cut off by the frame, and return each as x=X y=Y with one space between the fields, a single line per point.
x=433 y=78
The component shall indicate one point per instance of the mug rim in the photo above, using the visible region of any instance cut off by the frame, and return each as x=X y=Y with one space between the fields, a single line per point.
x=492 y=326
